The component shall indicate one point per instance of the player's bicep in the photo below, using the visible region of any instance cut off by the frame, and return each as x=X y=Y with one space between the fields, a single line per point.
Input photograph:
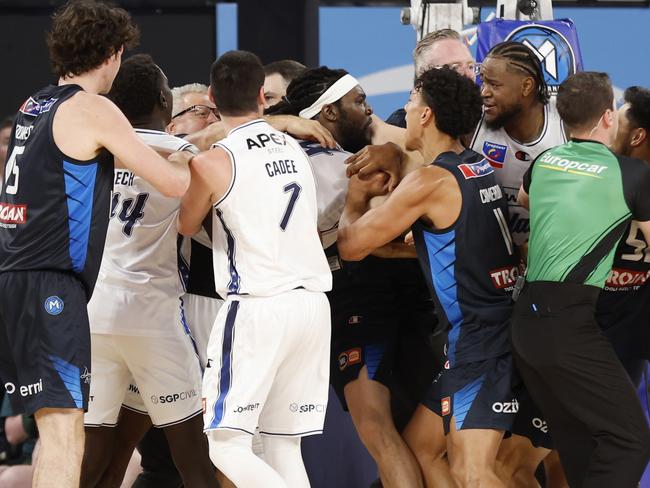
x=212 y=175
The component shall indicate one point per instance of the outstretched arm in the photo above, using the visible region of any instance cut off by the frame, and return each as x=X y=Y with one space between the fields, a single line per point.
x=361 y=231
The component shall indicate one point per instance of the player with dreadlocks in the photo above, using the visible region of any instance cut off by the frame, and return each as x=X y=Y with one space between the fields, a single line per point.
x=381 y=312
x=519 y=121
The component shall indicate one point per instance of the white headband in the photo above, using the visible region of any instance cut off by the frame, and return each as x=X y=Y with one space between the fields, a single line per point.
x=333 y=94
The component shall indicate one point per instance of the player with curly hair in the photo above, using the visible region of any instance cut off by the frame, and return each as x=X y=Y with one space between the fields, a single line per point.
x=54 y=212
x=454 y=207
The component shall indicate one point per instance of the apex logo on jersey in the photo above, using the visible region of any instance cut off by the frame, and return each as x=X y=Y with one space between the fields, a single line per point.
x=349 y=357
x=33 y=108
x=553 y=50
x=475 y=170
x=445 y=405
x=495 y=153
x=13 y=214
x=620 y=279
x=53 y=305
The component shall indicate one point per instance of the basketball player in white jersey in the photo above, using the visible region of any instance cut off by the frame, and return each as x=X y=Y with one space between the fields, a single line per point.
x=519 y=122
x=136 y=314
x=268 y=353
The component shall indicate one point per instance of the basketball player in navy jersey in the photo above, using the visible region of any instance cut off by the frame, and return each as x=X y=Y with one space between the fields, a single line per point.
x=382 y=315
x=54 y=208
x=454 y=206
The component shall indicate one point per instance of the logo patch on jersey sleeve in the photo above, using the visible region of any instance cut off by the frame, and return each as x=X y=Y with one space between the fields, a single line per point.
x=13 y=214
x=33 y=108
x=476 y=170
x=495 y=153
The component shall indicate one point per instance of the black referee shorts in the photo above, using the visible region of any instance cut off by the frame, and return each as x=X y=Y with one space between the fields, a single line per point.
x=573 y=375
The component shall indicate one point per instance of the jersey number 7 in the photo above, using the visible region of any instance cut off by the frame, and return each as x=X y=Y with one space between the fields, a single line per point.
x=295 y=189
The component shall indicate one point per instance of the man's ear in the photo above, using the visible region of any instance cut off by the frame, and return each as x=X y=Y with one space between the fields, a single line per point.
x=639 y=136
x=162 y=100
x=261 y=99
x=527 y=86
x=330 y=112
x=211 y=95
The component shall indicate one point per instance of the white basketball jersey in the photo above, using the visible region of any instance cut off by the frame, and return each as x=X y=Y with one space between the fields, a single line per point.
x=265 y=233
x=331 y=187
x=511 y=159
x=140 y=256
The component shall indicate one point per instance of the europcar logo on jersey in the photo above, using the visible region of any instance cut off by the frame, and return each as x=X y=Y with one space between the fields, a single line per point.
x=553 y=50
x=53 y=305
x=495 y=153
x=13 y=214
x=475 y=170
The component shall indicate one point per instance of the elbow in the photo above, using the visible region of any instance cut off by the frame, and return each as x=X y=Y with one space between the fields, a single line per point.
x=348 y=251
x=185 y=228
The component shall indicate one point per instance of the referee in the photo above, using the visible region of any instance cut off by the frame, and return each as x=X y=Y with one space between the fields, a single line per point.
x=582 y=197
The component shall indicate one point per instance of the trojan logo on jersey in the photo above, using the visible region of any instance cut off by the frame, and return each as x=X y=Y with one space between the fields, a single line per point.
x=505 y=278
x=33 y=108
x=475 y=170
x=552 y=49
x=495 y=153
x=53 y=305
x=625 y=278
x=13 y=214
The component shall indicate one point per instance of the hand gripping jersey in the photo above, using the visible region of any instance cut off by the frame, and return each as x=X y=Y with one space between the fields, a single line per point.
x=331 y=187
x=53 y=208
x=511 y=159
x=265 y=232
x=471 y=267
x=141 y=250
x=582 y=198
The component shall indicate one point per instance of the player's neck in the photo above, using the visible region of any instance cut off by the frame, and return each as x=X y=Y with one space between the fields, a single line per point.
x=435 y=143
x=231 y=123
x=527 y=125
x=643 y=154
x=598 y=135
x=91 y=82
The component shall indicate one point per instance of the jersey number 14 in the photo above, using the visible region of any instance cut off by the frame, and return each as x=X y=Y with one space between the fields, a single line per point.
x=130 y=213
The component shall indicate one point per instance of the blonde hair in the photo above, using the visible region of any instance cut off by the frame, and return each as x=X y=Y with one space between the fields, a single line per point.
x=179 y=91
x=429 y=40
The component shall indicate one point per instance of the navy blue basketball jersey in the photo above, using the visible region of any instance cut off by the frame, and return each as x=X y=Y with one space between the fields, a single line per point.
x=623 y=308
x=471 y=267
x=54 y=209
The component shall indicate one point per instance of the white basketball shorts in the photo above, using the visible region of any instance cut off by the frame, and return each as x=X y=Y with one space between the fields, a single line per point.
x=268 y=365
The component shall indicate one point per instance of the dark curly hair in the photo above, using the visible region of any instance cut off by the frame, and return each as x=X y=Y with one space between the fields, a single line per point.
x=455 y=100
x=136 y=89
x=305 y=90
x=86 y=33
x=520 y=58
x=639 y=112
